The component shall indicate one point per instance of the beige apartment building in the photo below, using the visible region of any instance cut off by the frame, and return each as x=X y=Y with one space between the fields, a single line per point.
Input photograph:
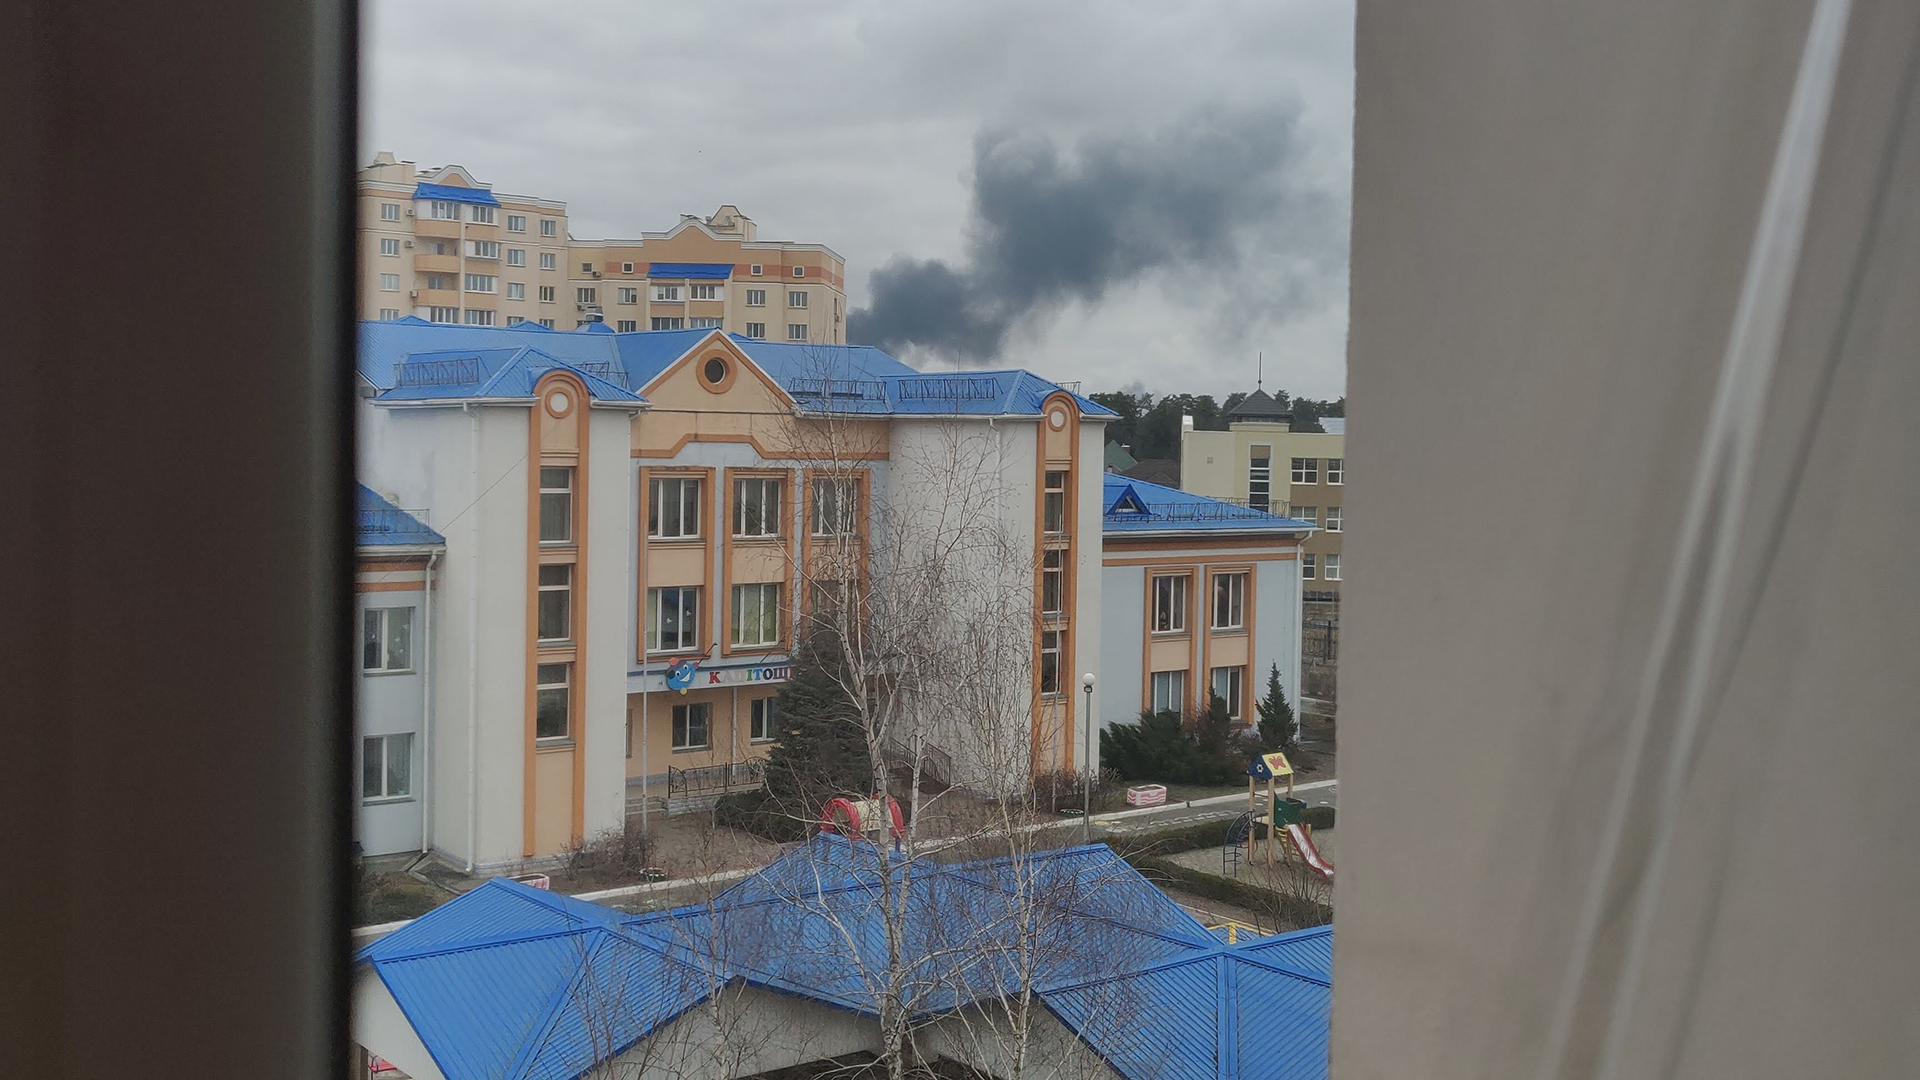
x=1260 y=461
x=444 y=247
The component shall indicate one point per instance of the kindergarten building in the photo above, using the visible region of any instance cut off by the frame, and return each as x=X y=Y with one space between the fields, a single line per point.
x=622 y=533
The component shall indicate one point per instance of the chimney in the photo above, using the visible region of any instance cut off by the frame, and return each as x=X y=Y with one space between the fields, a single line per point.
x=1186 y=423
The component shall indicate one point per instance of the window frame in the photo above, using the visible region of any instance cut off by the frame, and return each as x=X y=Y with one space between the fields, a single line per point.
x=760 y=293
x=626 y=294
x=1053 y=503
x=516 y=256
x=681 y=725
x=1053 y=643
x=1176 y=683
x=628 y=326
x=797 y=332
x=543 y=686
x=586 y=294
x=761 y=327
x=1336 y=521
x=386 y=793
x=1305 y=470
x=517 y=223
x=384 y=638
x=671 y=322
x=481 y=215
x=516 y=290
x=484 y=284
x=799 y=272
x=666 y=294
x=845 y=486
x=1229 y=586
x=547 y=489
x=656 y=520
x=1308 y=567
x=549 y=227
x=564 y=590
x=444 y=315
x=1337 y=471
x=549 y=261
x=1236 y=684
x=443 y=210
x=390 y=246
x=797 y=300
x=769 y=529
x=389 y=211
x=694 y=291
x=1175 y=600
x=1330 y=567
x=390 y=283
x=483 y=249
x=687 y=600
x=477 y=317
x=1261 y=475
x=737 y=606
x=760 y=714
x=547 y=294
x=1308 y=514
x=1053 y=582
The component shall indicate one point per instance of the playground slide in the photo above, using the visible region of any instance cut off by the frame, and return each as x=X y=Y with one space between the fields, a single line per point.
x=1303 y=844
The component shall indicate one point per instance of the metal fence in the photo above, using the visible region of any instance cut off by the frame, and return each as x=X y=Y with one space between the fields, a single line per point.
x=709 y=779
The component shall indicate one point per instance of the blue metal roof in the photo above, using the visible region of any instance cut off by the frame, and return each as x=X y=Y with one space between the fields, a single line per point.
x=450 y=193
x=1138 y=506
x=689 y=270
x=500 y=983
x=383 y=524
x=509 y=373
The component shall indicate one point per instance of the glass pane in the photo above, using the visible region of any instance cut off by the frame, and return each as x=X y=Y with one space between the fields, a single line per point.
x=670 y=508
x=770 y=507
x=400 y=639
x=556 y=516
x=770 y=615
x=653 y=510
x=399 y=765
x=370 y=641
x=556 y=478
x=689 y=617
x=653 y=619
x=689 y=508
x=697 y=725
x=550 y=713
x=370 y=768
x=554 y=605
x=670 y=619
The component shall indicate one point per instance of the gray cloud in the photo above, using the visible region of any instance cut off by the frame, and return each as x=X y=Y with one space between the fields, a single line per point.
x=1204 y=197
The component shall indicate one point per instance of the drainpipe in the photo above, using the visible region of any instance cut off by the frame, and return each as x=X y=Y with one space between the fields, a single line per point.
x=473 y=633
x=426 y=717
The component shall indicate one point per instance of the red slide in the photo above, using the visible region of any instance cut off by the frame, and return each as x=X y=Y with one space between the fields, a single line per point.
x=1303 y=844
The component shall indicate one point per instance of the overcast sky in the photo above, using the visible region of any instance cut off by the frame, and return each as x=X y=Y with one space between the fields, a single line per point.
x=1163 y=188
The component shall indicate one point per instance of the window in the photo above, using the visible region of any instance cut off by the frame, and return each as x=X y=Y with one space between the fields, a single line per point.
x=515 y=320
x=1054 y=504
x=516 y=290
x=799 y=271
x=386 y=640
x=690 y=726
x=835 y=503
x=1336 y=470
x=476 y=317
x=1333 y=566
x=1053 y=582
x=1306 y=470
x=483 y=283
x=757 y=331
x=666 y=292
x=516 y=256
x=552 y=701
x=1050 y=662
x=703 y=292
x=389 y=211
x=556 y=505
x=389 y=282
x=442 y=210
x=443 y=314
x=555 y=615
x=482 y=215
x=756 y=297
x=439 y=247
x=1169 y=690
x=439 y=281
x=1229 y=601
x=1170 y=604
x=389 y=245
x=704 y=323
x=549 y=227
x=586 y=295
x=386 y=767
x=546 y=297
x=548 y=323
x=756 y=614
x=756 y=506
x=1308 y=514
x=673 y=618
x=659 y=322
x=626 y=268
x=755 y=269
x=516 y=223
x=388 y=314
x=1333 y=515
x=797 y=331
x=627 y=296
x=586 y=268
x=1226 y=686
x=673 y=508
x=1306 y=566
x=628 y=326
x=1260 y=477
x=483 y=249
x=548 y=261
x=760 y=723
x=797 y=299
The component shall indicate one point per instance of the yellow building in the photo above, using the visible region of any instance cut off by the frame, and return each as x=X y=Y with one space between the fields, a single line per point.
x=440 y=245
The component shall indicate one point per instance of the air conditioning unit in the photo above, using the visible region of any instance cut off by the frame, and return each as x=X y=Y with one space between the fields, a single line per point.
x=409 y=243
x=596 y=273
x=409 y=211
x=413 y=294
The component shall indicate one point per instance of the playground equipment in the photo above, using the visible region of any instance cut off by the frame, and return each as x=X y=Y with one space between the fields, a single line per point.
x=866 y=818
x=1281 y=816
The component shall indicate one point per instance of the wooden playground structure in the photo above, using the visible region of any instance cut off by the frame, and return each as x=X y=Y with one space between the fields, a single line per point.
x=1287 y=835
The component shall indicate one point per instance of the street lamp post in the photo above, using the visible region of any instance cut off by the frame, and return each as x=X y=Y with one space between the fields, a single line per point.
x=1086 y=763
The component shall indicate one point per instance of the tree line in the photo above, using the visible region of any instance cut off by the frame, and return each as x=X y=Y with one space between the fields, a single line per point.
x=1150 y=427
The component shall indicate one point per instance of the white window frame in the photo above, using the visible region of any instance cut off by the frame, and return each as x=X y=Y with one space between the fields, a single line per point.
x=483 y=249
x=586 y=268
x=1053 y=582
x=389 y=211
x=687 y=599
x=1235 y=680
x=797 y=299
x=516 y=256
x=682 y=725
x=481 y=215
x=703 y=291
x=666 y=294
x=799 y=271
x=1053 y=503
x=626 y=268
x=548 y=678
x=755 y=269
x=667 y=322
x=1336 y=522
x=703 y=322
x=389 y=282
x=760 y=599
x=478 y=317
x=549 y=227
x=1306 y=470
x=554 y=492
x=546 y=297
x=1167 y=692
x=562 y=589
x=627 y=294
x=1336 y=471
x=1052 y=649
x=1309 y=566
x=443 y=210
x=1170 y=603
x=516 y=290
x=379 y=749
x=516 y=320
x=756 y=298
x=439 y=314
x=628 y=326
x=1230 y=586
x=686 y=495
x=482 y=283
x=797 y=331
x=1308 y=514
x=753 y=492
x=1260 y=477
x=757 y=331
x=760 y=714
x=549 y=261
x=586 y=294
x=517 y=223
x=1331 y=571
x=846 y=506
x=548 y=323
x=389 y=625
x=390 y=246
x=388 y=314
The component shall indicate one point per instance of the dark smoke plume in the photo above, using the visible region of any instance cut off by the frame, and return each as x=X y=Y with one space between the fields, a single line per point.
x=1205 y=197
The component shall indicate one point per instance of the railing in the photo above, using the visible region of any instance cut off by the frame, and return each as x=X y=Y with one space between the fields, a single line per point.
x=938 y=389
x=1213 y=510
x=387 y=522
x=464 y=369
x=935 y=764
x=708 y=779
x=605 y=369
x=861 y=389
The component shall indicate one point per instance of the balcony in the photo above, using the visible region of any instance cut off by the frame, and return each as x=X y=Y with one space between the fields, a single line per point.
x=426 y=226
x=440 y=264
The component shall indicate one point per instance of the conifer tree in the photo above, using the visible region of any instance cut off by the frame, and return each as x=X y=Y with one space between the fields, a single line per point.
x=819 y=749
x=1278 y=728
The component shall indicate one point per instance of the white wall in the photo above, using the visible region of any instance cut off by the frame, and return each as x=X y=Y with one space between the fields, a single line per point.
x=607 y=604
x=389 y=704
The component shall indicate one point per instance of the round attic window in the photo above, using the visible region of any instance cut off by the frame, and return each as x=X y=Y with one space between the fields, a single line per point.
x=715 y=370
x=1057 y=419
x=559 y=403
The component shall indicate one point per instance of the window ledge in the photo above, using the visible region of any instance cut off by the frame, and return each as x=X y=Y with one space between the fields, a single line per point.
x=388 y=671
x=688 y=541
x=561 y=742
x=1170 y=634
x=1228 y=631
x=756 y=538
x=693 y=749
x=386 y=800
